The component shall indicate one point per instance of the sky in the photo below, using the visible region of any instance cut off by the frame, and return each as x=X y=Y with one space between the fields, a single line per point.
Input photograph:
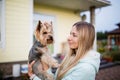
x=106 y=17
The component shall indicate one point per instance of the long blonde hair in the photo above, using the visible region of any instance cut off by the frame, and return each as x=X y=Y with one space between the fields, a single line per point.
x=86 y=40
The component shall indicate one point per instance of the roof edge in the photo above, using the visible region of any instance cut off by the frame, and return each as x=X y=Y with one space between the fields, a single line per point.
x=104 y=1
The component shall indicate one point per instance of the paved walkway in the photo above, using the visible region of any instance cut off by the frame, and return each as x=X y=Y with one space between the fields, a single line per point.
x=111 y=73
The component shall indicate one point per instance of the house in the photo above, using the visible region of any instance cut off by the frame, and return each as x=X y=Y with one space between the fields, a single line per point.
x=19 y=17
x=114 y=37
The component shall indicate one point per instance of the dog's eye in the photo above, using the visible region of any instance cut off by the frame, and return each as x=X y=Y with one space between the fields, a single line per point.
x=44 y=32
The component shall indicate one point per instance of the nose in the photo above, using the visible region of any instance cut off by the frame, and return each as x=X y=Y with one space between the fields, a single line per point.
x=69 y=38
x=51 y=37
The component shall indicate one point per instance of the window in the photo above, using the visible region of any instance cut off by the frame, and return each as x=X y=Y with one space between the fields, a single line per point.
x=2 y=25
x=44 y=18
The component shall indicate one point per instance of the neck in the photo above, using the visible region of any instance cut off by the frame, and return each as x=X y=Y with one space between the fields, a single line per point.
x=40 y=44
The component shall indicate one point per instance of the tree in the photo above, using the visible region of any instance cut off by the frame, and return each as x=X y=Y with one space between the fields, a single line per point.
x=102 y=35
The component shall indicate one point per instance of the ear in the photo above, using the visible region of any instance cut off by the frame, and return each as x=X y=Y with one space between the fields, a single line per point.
x=40 y=22
x=38 y=26
x=51 y=22
x=37 y=30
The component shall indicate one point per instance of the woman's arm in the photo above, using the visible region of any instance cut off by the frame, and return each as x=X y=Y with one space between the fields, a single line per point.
x=33 y=76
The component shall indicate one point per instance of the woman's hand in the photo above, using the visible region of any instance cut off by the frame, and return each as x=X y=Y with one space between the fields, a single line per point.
x=30 y=72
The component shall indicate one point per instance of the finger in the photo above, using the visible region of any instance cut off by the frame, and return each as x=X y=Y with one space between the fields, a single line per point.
x=32 y=63
x=30 y=66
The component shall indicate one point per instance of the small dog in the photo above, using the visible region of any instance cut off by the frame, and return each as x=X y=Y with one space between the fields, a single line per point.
x=39 y=51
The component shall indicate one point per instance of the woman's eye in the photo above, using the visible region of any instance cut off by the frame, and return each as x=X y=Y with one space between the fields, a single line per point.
x=74 y=35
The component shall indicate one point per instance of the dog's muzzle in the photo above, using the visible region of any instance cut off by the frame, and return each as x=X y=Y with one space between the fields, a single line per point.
x=50 y=39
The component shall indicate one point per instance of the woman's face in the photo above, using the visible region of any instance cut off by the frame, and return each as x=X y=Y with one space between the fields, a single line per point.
x=73 y=38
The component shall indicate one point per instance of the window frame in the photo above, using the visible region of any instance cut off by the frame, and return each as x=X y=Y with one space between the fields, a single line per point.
x=43 y=18
x=2 y=25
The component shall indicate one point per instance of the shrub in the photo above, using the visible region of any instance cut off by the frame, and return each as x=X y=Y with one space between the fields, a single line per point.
x=101 y=50
x=114 y=55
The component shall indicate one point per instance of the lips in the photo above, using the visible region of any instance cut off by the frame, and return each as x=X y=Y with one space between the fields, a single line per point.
x=69 y=42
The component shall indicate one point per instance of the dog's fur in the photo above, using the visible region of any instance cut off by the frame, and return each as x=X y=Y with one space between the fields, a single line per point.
x=39 y=51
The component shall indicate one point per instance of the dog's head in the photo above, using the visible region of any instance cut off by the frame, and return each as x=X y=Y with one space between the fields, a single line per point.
x=44 y=33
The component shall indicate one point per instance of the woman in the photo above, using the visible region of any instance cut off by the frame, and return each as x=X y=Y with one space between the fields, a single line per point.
x=82 y=62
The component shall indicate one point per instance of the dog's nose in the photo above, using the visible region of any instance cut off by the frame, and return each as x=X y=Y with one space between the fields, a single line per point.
x=51 y=38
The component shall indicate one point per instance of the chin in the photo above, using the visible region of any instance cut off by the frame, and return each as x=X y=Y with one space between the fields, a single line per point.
x=72 y=47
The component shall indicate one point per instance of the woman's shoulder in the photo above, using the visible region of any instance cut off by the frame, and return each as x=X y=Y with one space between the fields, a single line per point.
x=81 y=67
x=93 y=53
x=80 y=71
x=90 y=55
x=84 y=66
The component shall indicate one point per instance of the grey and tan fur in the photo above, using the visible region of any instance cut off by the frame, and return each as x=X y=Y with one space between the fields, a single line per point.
x=39 y=51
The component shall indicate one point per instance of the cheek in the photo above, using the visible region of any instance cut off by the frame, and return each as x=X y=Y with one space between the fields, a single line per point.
x=76 y=42
x=73 y=46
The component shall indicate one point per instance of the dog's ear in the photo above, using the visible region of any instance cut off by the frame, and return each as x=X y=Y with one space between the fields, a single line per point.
x=48 y=25
x=39 y=22
x=51 y=22
x=51 y=25
x=39 y=26
x=37 y=30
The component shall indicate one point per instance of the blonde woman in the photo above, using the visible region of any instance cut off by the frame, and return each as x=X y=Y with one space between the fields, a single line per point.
x=82 y=62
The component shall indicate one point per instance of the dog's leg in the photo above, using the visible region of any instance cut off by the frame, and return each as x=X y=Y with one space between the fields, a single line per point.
x=41 y=50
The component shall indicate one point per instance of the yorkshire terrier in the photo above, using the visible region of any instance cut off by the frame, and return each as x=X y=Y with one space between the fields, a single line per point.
x=40 y=53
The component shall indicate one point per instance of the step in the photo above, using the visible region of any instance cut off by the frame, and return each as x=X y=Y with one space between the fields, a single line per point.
x=109 y=64
x=103 y=62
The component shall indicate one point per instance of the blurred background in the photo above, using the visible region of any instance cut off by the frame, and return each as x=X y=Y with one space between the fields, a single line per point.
x=18 y=19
